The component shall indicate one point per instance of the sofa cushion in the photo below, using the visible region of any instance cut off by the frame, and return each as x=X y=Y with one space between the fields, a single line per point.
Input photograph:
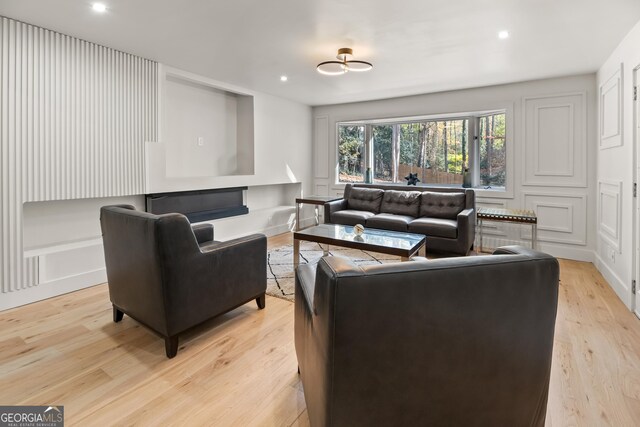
x=350 y=217
x=401 y=202
x=435 y=227
x=441 y=205
x=365 y=199
x=387 y=221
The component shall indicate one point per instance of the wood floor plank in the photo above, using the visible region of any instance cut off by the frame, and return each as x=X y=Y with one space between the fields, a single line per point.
x=240 y=369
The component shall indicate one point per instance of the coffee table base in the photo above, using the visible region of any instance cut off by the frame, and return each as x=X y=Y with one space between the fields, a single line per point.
x=422 y=251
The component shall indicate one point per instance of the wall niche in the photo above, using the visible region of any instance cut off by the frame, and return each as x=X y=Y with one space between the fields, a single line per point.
x=207 y=128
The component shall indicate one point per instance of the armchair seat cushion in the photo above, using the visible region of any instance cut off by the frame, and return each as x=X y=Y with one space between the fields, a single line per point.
x=351 y=217
x=388 y=221
x=435 y=227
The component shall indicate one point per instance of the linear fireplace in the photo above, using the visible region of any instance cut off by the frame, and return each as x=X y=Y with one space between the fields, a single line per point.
x=199 y=205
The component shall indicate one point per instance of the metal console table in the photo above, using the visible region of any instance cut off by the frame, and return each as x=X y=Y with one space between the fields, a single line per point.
x=519 y=216
x=312 y=200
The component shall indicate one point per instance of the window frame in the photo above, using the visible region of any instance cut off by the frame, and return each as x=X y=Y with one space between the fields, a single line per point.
x=473 y=152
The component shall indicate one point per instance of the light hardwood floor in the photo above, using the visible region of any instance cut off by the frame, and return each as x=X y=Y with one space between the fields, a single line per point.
x=240 y=369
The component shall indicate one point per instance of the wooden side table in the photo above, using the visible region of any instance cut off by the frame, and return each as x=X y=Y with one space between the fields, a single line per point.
x=519 y=216
x=312 y=200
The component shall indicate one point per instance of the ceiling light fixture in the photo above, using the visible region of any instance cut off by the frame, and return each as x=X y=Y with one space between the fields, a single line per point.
x=99 y=7
x=504 y=34
x=284 y=78
x=344 y=65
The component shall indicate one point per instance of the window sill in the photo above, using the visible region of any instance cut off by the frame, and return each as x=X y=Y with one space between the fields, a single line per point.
x=495 y=193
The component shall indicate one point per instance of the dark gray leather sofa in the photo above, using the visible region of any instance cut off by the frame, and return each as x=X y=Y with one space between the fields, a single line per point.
x=446 y=216
x=454 y=341
x=171 y=276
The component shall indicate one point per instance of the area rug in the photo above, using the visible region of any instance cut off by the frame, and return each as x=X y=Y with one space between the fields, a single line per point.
x=280 y=277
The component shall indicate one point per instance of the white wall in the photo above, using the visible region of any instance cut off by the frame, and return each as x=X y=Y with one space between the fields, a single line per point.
x=551 y=137
x=75 y=118
x=615 y=176
x=196 y=112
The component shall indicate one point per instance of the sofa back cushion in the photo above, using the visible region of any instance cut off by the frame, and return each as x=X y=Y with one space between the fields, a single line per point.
x=401 y=202
x=365 y=199
x=441 y=205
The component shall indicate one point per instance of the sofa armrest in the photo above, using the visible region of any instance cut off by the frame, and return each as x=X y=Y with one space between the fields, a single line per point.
x=467 y=227
x=334 y=206
x=203 y=232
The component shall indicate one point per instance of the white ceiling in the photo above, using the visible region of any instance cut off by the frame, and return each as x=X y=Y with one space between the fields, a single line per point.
x=416 y=46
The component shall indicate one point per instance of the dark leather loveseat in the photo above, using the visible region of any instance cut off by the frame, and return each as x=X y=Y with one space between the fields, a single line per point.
x=449 y=342
x=171 y=276
x=446 y=216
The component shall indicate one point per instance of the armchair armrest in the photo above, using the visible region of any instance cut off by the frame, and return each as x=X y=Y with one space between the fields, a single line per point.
x=253 y=240
x=520 y=250
x=306 y=279
x=334 y=206
x=203 y=232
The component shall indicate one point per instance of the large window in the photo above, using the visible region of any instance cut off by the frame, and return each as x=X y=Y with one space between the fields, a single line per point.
x=493 y=160
x=439 y=151
x=351 y=153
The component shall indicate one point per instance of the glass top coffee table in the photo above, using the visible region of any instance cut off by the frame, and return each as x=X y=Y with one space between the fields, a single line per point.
x=397 y=243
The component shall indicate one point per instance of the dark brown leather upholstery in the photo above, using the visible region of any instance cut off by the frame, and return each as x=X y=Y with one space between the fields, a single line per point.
x=452 y=341
x=352 y=217
x=401 y=202
x=445 y=207
x=388 y=221
x=171 y=276
x=365 y=199
x=441 y=205
x=435 y=227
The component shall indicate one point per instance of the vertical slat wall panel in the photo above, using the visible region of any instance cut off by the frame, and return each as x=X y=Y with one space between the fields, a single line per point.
x=74 y=117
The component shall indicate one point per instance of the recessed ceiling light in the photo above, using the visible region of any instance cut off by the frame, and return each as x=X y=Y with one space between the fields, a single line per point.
x=99 y=7
x=284 y=78
x=504 y=34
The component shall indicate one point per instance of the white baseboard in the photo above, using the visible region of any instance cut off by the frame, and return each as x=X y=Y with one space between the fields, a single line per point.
x=277 y=229
x=85 y=279
x=53 y=288
x=614 y=281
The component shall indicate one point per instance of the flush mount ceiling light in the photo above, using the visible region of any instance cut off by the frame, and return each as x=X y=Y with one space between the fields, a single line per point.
x=344 y=65
x=504 y=34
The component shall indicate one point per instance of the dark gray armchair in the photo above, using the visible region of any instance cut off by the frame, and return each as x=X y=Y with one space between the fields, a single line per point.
x=171 y=276
x=452 y=341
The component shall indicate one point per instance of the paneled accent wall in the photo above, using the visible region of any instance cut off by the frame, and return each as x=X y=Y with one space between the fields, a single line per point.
x=610 y=212
x=562 y=218
x=74 y=117
x=611 y=111
x=555 y=134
